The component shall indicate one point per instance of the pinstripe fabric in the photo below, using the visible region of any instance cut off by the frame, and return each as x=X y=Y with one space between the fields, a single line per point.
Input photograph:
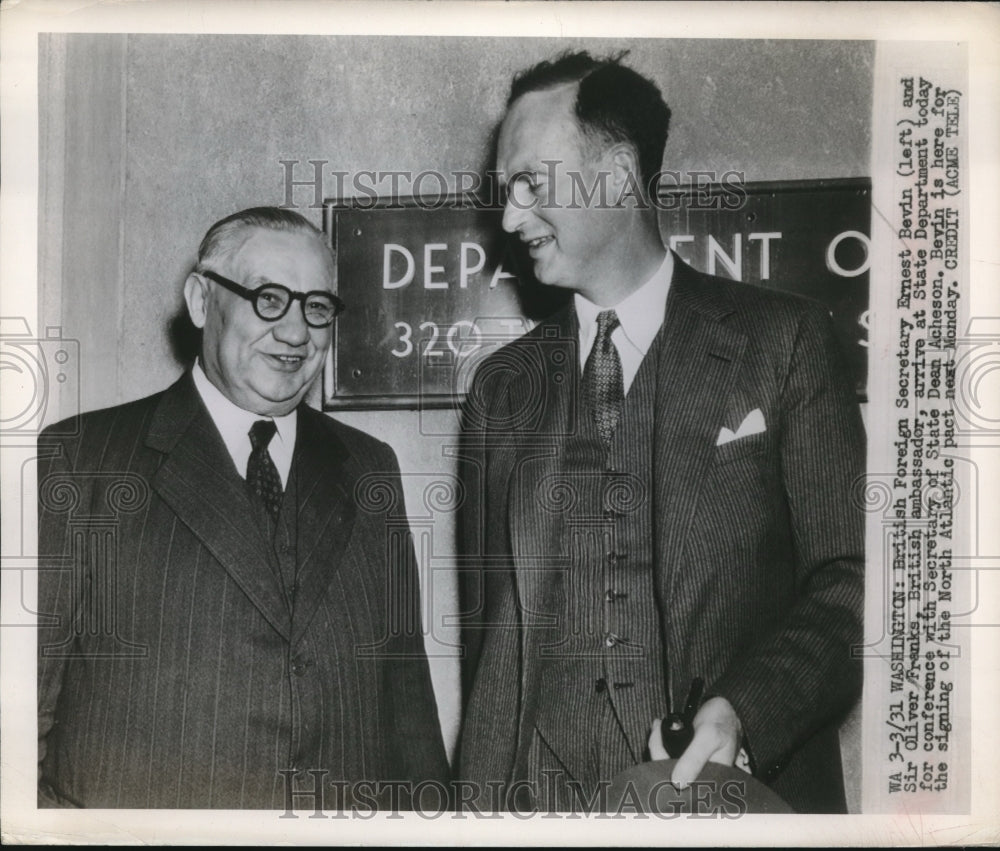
x=174 y=673
x=604 y=677
x=758 y=544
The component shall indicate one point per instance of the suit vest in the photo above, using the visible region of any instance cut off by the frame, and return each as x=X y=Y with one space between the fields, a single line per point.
x=281 y=535
x=603 y=679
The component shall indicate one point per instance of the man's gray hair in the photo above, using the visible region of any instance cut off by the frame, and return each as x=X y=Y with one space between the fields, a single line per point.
x=221 y=237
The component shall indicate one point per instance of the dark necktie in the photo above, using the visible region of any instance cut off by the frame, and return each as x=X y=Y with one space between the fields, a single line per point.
x=603 y=388
x=263 y=480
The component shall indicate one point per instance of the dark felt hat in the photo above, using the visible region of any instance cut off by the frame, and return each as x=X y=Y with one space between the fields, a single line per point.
x=720 y=791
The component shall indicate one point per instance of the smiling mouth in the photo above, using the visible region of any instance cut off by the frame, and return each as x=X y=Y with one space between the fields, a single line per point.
x=288 y=360
x=538 y=242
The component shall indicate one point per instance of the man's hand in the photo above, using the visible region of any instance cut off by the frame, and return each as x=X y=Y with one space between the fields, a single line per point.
x=717 y=735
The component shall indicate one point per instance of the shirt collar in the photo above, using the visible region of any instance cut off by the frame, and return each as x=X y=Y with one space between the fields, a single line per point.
x=233 y=424
x=640 y=314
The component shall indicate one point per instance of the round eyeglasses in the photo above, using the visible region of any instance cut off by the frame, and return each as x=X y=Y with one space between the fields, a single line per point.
x=271 y=301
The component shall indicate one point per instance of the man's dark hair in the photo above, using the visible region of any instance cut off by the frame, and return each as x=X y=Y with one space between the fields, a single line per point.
x=221 y=237
x=613 y=102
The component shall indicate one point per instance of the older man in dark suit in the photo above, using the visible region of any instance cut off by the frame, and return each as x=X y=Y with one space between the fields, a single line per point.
x=659 y=487
x=228 y=599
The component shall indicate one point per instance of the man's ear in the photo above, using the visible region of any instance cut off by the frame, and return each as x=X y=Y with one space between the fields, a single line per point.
x=196 y=295
x=624 y=162
x=625 y=181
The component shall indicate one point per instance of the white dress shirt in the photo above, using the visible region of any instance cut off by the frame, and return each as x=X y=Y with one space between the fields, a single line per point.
x=640 y=314
x=234 y=424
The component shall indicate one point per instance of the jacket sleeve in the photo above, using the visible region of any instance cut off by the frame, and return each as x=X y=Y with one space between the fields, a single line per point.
x=471 y=536
x=487 y=596
x=807 y=670
x=417 y=741
x=59 y=606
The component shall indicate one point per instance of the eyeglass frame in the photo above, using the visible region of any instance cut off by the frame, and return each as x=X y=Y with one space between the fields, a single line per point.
x=252 y=295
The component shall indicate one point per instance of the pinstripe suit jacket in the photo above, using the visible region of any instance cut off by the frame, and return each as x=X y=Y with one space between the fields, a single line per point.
x=758 y=543
x=172 y=672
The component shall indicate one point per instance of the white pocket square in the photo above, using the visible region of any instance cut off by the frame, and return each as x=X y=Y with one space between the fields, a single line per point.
x=752 y=424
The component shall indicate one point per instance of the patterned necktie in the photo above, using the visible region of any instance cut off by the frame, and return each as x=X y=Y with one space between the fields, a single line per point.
x=263 y=480
x=603 y=387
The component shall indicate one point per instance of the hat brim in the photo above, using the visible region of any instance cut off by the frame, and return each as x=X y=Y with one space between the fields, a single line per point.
x=720 y=790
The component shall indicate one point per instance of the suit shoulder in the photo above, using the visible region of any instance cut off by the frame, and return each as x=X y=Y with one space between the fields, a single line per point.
x=103 y=420
x=524 y=352
x=775 y=324
x=759 y=300
x=107 y=438
x=762 y=312
x=359 y=442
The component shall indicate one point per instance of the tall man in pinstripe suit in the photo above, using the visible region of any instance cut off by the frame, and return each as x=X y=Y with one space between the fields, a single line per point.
x=659 y=487
x=228 y=603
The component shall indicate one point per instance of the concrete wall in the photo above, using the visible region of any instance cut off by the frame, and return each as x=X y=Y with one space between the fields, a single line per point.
x=148 y=139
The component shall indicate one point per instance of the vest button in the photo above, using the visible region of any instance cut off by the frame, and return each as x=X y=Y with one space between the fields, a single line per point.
x=600 y=684
x=610 y=640
x=609 y=514
x=300 y=666
x=611 y=595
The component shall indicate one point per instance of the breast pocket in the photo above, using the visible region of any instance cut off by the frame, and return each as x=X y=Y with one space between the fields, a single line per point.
x=742 y=447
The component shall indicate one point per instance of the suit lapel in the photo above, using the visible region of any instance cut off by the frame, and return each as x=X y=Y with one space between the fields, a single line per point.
x=538 y=489
x=200 y=484
x=697 y=366
x=326 y=512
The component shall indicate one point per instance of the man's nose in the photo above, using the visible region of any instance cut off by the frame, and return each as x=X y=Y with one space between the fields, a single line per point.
x=292 y=328
x=514 y=214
